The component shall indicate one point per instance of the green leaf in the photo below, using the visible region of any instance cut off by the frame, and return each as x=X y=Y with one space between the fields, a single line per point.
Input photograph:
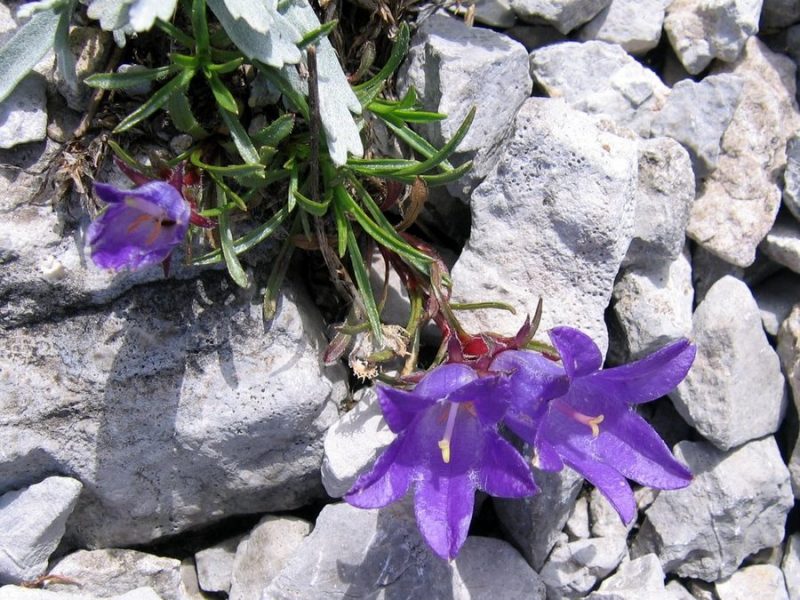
x=247 y=241
x=295 y=98
x=226 y=171
x=291 y=201
x=175 y=33
x=222 y=95
x=29 y=44
x=200 y=28
x=318 y=209
x=228 y=191
x=65 y=60
x=413 y=139
x=180 y=111
x=156 y=101
x=240 y=138
x=278 y=273
x=315 y=35
x=274 y=133
x=364 y=287
x=341 y=228
x=368 y=90
x=446 y=150
x=228 y=67
x=226 y=241
x=120 y=81
x=377 y=167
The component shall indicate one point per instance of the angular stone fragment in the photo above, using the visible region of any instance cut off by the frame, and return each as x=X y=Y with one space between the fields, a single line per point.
x=639 y=578
x=573 y=568
x=764 y=582
x=454 y=68
x=777 y=14
x=564 y=15
x=494 y=13
x=356 y=553
x=176 y=406
x=215 y=565
x=600 y=78
x=605 y=519
x=791 y=177
x=653 y=307
x=734 y=391
x=791 y=566
x=32 y=521
x=633 y=24
x=782 y=243
x=577 y=526
x=535 y=523
x=736 y=505
x=711 y=103
x=262 y=555
x=11 y=592
x=117 y=571
x=789 y=352
x=664 y=197
x=702 y=31
x=776 y=296
x=23 y=114
x=561 y=202
x=739 y=201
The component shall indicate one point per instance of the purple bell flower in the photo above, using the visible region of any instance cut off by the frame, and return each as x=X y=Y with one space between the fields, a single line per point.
x=447 y=447
x=576 y=414
x=140 y=227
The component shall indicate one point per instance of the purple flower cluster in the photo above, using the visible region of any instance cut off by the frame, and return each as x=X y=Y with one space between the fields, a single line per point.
x=570 y=412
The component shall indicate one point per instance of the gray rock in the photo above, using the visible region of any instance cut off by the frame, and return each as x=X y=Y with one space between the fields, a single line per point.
x=702 y=31
x=708 y=268
x=353 y=443
x=663 y=199
x=11 y=592
x=494 y=13
x=606 y=521
x=564 y=15
x=215 y=565
x=23 y=114
x=600 y=78
x=577 y=526
x=789 y=352
x=453 y=68
x=264 y=553
x=534 y=524
x=355 y=553
x=776 y=297
x=180 y=406
x=652 y=307
x=736 y=505
x=534 y=36
x=734 y=392
x=782 y=243
x=32 y=521
x=190 y=586
x=791 y=176
x=633 y=24
x=575 y=185
x=791 y=566
x=573 y=568
x=678 y=591
x=117 y=571
x=639 y=578
x=740 y=200
x=777 y=14
x=764 y=582
x=711 y=103
x=90 y=47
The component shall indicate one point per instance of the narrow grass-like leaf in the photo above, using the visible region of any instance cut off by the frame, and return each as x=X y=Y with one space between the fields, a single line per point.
x=318 y=209
x=226 y=241
x=180 y=111
x=240 y=138
x=379 y=166
x=65 y=60
x=156 y=101
x=413 y=139
x=200 y=28
x=225 y=171
x=278 y=273
x=341 y=228
x=312 y=37
x=444 y=151
x=228 y=67
x=247 y=241
x=364 y=287
x=222 y=95
x=120 y=81
x=175 y=33
x=224 y=187
x=368 y=90
x=274 y=133
x=294 y=184
x=134 y=164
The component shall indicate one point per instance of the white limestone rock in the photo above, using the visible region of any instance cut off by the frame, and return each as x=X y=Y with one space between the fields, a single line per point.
x=214 y=565
x=12 y=592
x=734 y=391
x=711 y=103
x=633 y=24
x=791 y=566
x=602 y=79
x=454 y=68
x=23 y=114
x=740 y=199
x=574 y=186
x=577 y=525
x=789 y=352
x=776 y=296
x=782 y=243
x=573 y=568
x=700 y=31
x=791 y=176
x=564 y=15
x=263 y=554
x=635 y=579
x=606 y=521
x=33 y=520
x=764 y=582
x=735 y=506
x=494 y=13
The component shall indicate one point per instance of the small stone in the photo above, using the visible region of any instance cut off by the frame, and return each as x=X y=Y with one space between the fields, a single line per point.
x=791 y=177
x=117 y=571
x=789 y=352
x=735 y=506
x=356 y=553
x=190 y=586
x=735 y=363
x=764 y=582
x=23 y=114
x=263 y=554
x=606 y=521
x=573 y=568
x=181 y=143
x=564 y=15
x=602 y=79
x=782 y=243
x=702 y=31
x=645 y=496
x=778 y=14
x=577 y=526
x=708 y=268
x=11 y=592
x=90 y=47
x=215 y=565
x=494 y=13
x=701 y=590
x=633 y=24
x=653 y=307
x=711 y=103
x=534 y=36
x=454 y=68
x=639 y=578
x=678 y=591
x=791 y=566
x=33 y=521
x=535 y=523
x=776 y=296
